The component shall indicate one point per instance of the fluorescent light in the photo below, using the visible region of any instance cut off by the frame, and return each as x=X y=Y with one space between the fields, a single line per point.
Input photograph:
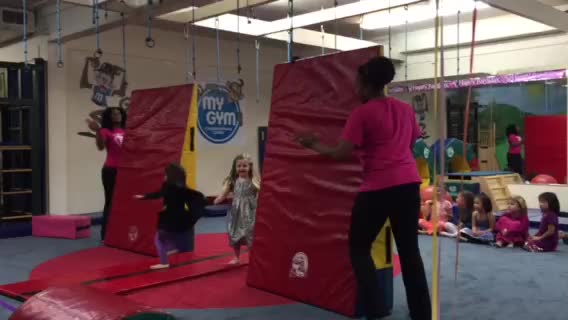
x=330 y=14
x=418 y=13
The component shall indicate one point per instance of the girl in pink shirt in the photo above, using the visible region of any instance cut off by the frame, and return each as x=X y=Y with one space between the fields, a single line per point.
x=444 y=212
x=514 y=156
x=383 y=130
x=110 y=135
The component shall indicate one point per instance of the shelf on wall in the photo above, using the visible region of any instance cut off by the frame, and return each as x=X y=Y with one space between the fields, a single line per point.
x=15 y=148
x=15 y=170
x=13 y=193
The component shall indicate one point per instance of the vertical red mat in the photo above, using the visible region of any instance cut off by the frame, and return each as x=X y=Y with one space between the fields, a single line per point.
x=546 y=146
x=154 y=137
x=305 y=201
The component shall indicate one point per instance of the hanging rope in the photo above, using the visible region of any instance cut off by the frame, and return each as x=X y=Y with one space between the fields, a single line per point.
x=187 y=52
x=406 y=44
x=390 y=32
x=361 y=34
x=335 y=22
x=193 y=49
x=435 y=240
x=94 y=11
x=257 y=47
x=98 y=52
x=218 y=50
x=25 y=9
x=291 y=31
x=458 y=43
x=59 y=49
x=150 y=43
x=123 y=29
x=468 y=101
x=322 y=29
x=239 y=67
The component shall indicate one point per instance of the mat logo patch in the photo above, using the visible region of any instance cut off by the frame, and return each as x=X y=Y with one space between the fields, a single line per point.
x=220 y=116
x=299 y=267
x=133 y=233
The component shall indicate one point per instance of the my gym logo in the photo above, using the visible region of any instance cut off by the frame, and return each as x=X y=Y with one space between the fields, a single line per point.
x=220 y=116
x=299 y=267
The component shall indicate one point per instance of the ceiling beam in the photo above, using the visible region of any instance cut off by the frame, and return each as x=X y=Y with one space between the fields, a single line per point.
x=533 y=10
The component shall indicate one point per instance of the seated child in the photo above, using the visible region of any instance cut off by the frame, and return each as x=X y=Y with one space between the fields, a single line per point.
x=464 y=206
x=546 y=239
x=483 y=222
x=444 y=213
x=182 y=208
x=513 y=227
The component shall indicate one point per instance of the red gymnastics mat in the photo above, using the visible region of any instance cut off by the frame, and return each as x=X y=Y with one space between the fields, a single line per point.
x=129 y=276
x=300 y=246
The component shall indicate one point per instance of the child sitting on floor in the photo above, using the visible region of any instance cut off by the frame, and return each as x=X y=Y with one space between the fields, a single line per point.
x=546 y=239
x=464 y=207
x=444 y=211
x=513 y=227
x=483 y=222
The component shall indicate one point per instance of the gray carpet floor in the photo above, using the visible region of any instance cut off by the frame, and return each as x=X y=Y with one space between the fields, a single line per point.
x=492 y=283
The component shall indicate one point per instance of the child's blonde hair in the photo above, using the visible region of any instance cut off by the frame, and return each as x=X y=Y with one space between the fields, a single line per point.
x=230 y=180
x=520 y=201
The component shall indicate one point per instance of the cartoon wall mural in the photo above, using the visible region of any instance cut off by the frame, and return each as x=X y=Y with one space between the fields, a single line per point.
x=103 y=88
x=420 y=105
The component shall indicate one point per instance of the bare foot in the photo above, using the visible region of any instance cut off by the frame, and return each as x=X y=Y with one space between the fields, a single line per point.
x=510 y=245
x=422 y=232
x=159 y=266
x=499 y=244
x=235 y=261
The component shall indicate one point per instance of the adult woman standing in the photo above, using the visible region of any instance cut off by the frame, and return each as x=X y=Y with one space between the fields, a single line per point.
x=514 y=155
x=384 y=130
x=110 y=135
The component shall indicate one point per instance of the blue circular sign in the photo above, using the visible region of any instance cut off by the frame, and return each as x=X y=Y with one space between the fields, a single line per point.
x=219 y=117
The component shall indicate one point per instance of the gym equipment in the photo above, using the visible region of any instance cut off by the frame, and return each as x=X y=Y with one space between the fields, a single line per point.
x=543 y=179
x=59 y=49
x=424 y=161
x=161 y=129
x=456 y=159
x=297 y=254
x=67 y=227
x=83 y=303
x=546 y=146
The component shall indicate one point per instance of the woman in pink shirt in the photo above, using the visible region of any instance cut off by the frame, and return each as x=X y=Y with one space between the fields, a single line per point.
x=514 y=156
x=384 y=130
x=110 y=135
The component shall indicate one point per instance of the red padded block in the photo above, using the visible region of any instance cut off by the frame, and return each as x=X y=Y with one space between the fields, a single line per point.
x=546 y=146
x=305 y=201
x=155 y=133
x=80 y=303
x=67 y=227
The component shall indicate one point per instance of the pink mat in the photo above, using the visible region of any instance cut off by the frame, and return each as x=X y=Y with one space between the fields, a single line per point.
x=67 y=227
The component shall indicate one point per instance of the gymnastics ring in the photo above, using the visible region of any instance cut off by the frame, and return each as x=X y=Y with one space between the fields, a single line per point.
x=150 y=42
x=124 y=103
x=98 y=53
x=60 y=64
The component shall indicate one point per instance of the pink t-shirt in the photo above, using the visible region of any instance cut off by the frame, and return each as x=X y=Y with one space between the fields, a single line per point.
x=113 y=141
x=515 y=144
x=384 y=130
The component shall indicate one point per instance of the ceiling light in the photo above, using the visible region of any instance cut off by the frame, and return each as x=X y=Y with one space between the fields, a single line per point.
x=418 y=13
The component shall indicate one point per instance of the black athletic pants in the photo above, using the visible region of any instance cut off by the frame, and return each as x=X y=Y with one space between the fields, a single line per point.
x=515 y=163
x=402 y=205
x=109 y=180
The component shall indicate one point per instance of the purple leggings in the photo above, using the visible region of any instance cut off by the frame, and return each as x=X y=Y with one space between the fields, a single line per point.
x=166 y=241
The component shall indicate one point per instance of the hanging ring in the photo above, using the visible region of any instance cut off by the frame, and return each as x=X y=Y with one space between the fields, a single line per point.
x=150 y=42
x=60 y=64
x=98 y=53
x=186 y=31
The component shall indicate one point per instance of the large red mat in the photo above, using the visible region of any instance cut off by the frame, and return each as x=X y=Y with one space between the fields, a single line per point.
x=546 y=146
x=305 y=201
x=154 y=137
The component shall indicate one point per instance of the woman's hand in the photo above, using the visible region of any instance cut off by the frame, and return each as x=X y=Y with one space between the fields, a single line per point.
x=218 y=200
x=307 y=140
x=93 y=125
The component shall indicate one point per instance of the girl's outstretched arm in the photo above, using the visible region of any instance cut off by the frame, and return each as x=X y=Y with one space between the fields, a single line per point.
x=220 y=198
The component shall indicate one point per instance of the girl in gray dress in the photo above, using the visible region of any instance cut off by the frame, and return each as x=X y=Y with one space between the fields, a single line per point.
x=244 y=185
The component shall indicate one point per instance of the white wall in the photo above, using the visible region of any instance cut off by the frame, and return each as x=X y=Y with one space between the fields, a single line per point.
x=495 y=53
x=37 y=48
x=74 y=163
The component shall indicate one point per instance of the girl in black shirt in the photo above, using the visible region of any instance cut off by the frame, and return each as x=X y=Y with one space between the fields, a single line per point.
x=182 y=208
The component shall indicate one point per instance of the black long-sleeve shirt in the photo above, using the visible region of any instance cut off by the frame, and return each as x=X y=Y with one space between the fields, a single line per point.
x=182 y=207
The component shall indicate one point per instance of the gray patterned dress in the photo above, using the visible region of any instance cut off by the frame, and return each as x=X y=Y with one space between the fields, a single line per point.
x=241 y=216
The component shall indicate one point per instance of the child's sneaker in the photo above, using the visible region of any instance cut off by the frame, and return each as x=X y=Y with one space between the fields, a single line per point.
x=159 y=266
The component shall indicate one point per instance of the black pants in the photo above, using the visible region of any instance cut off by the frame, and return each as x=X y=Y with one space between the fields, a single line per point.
x=402 y=205
x=109 y=179
x=515 y=163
